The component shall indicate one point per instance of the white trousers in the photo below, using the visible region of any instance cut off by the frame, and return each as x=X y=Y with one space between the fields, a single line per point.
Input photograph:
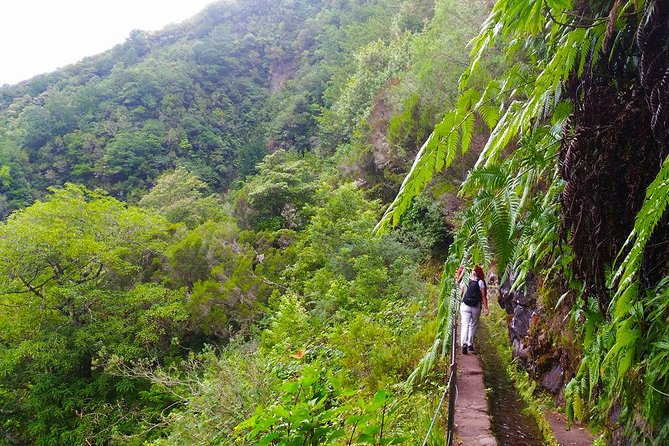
x=469 y=317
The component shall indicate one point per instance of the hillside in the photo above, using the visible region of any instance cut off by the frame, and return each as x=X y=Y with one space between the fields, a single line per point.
x=188 y=218
x=212 y=95
x=244 y=229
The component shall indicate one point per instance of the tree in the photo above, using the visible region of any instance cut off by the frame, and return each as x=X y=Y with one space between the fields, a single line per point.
x=15 y=191
x=37 y=128
x=219 y=269
x=275 y=197
x=73 y=268
x=179 y=196
x=133 y=159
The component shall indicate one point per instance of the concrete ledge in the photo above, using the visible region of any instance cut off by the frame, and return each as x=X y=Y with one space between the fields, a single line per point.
x=472 y=421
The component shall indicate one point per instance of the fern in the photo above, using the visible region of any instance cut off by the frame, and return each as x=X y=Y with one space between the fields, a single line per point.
x=620 y=346
x=622 y=338
x=492 y=178
x=467 y=132
x=654 y=206
x=502 y=232
x=490 y=115
x=446 y=316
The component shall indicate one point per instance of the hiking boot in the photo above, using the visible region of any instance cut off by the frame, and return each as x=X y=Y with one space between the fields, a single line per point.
x=471 y=349
x=464 y=349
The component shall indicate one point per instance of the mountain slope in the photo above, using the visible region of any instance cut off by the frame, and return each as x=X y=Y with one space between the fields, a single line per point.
x=210 y=94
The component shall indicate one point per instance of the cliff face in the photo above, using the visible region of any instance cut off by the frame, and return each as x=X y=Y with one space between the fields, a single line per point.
x=538 y=335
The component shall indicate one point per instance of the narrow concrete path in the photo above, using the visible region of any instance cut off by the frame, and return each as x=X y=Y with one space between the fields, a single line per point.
x=472 y=422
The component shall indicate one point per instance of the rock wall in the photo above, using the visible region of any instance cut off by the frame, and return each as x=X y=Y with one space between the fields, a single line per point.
x=531 y=337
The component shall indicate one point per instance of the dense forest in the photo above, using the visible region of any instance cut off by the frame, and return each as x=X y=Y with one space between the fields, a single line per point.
x=242 y=229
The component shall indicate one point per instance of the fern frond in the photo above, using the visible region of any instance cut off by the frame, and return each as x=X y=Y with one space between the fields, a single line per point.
x=513 y=203
x=432 y=157
x=652 y=210
x=489 y=178
x=467 y=131
x=490 y=115
x=501 y=231
x=467 y=100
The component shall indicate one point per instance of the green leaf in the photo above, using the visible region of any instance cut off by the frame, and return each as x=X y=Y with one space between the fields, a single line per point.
x=290 y=387
x=490 y=115
x=559 y=4
x=267 y=439
x=467 y=132
x=380 y=397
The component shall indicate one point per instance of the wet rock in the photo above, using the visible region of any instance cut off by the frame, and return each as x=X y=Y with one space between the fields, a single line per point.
x=504 y=297
x=520 y=304
x=531 y=341
x=520 y=324
x=523 y=297
x=553 y=380
x=510 y=299
x=618 y=437
x=519 y=350
x=533 y=331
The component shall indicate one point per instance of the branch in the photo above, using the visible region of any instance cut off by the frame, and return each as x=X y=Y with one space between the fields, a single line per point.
x=594 y=23
x=30 y=287
x=87 y=277
x=10 y=439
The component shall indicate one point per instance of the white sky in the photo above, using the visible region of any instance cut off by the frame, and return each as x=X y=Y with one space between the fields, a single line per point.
x=38 y=36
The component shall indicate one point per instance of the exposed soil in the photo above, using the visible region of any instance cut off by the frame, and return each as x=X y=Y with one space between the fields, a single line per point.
x=280 y=73
x=576 y=436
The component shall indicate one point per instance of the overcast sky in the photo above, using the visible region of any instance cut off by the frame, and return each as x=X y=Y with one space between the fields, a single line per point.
x=38 y=36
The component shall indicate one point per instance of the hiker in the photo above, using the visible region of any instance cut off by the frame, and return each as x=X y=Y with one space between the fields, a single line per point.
x=479 y=274
x=474 y=296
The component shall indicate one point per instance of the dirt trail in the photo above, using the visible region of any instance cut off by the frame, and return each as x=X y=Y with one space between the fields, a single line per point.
x=576 y=436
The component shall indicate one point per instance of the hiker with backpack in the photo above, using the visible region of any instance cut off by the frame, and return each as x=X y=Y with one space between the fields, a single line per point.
x=474 y=297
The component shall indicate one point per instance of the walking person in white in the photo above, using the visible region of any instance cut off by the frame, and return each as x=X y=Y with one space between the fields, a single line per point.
x=473 y=293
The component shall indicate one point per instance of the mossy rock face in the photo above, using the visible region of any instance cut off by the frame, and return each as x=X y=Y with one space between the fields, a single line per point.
x=553 y=380
x=524 y=297
x=520 y=325
x=532 y=333
x=520 y=305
